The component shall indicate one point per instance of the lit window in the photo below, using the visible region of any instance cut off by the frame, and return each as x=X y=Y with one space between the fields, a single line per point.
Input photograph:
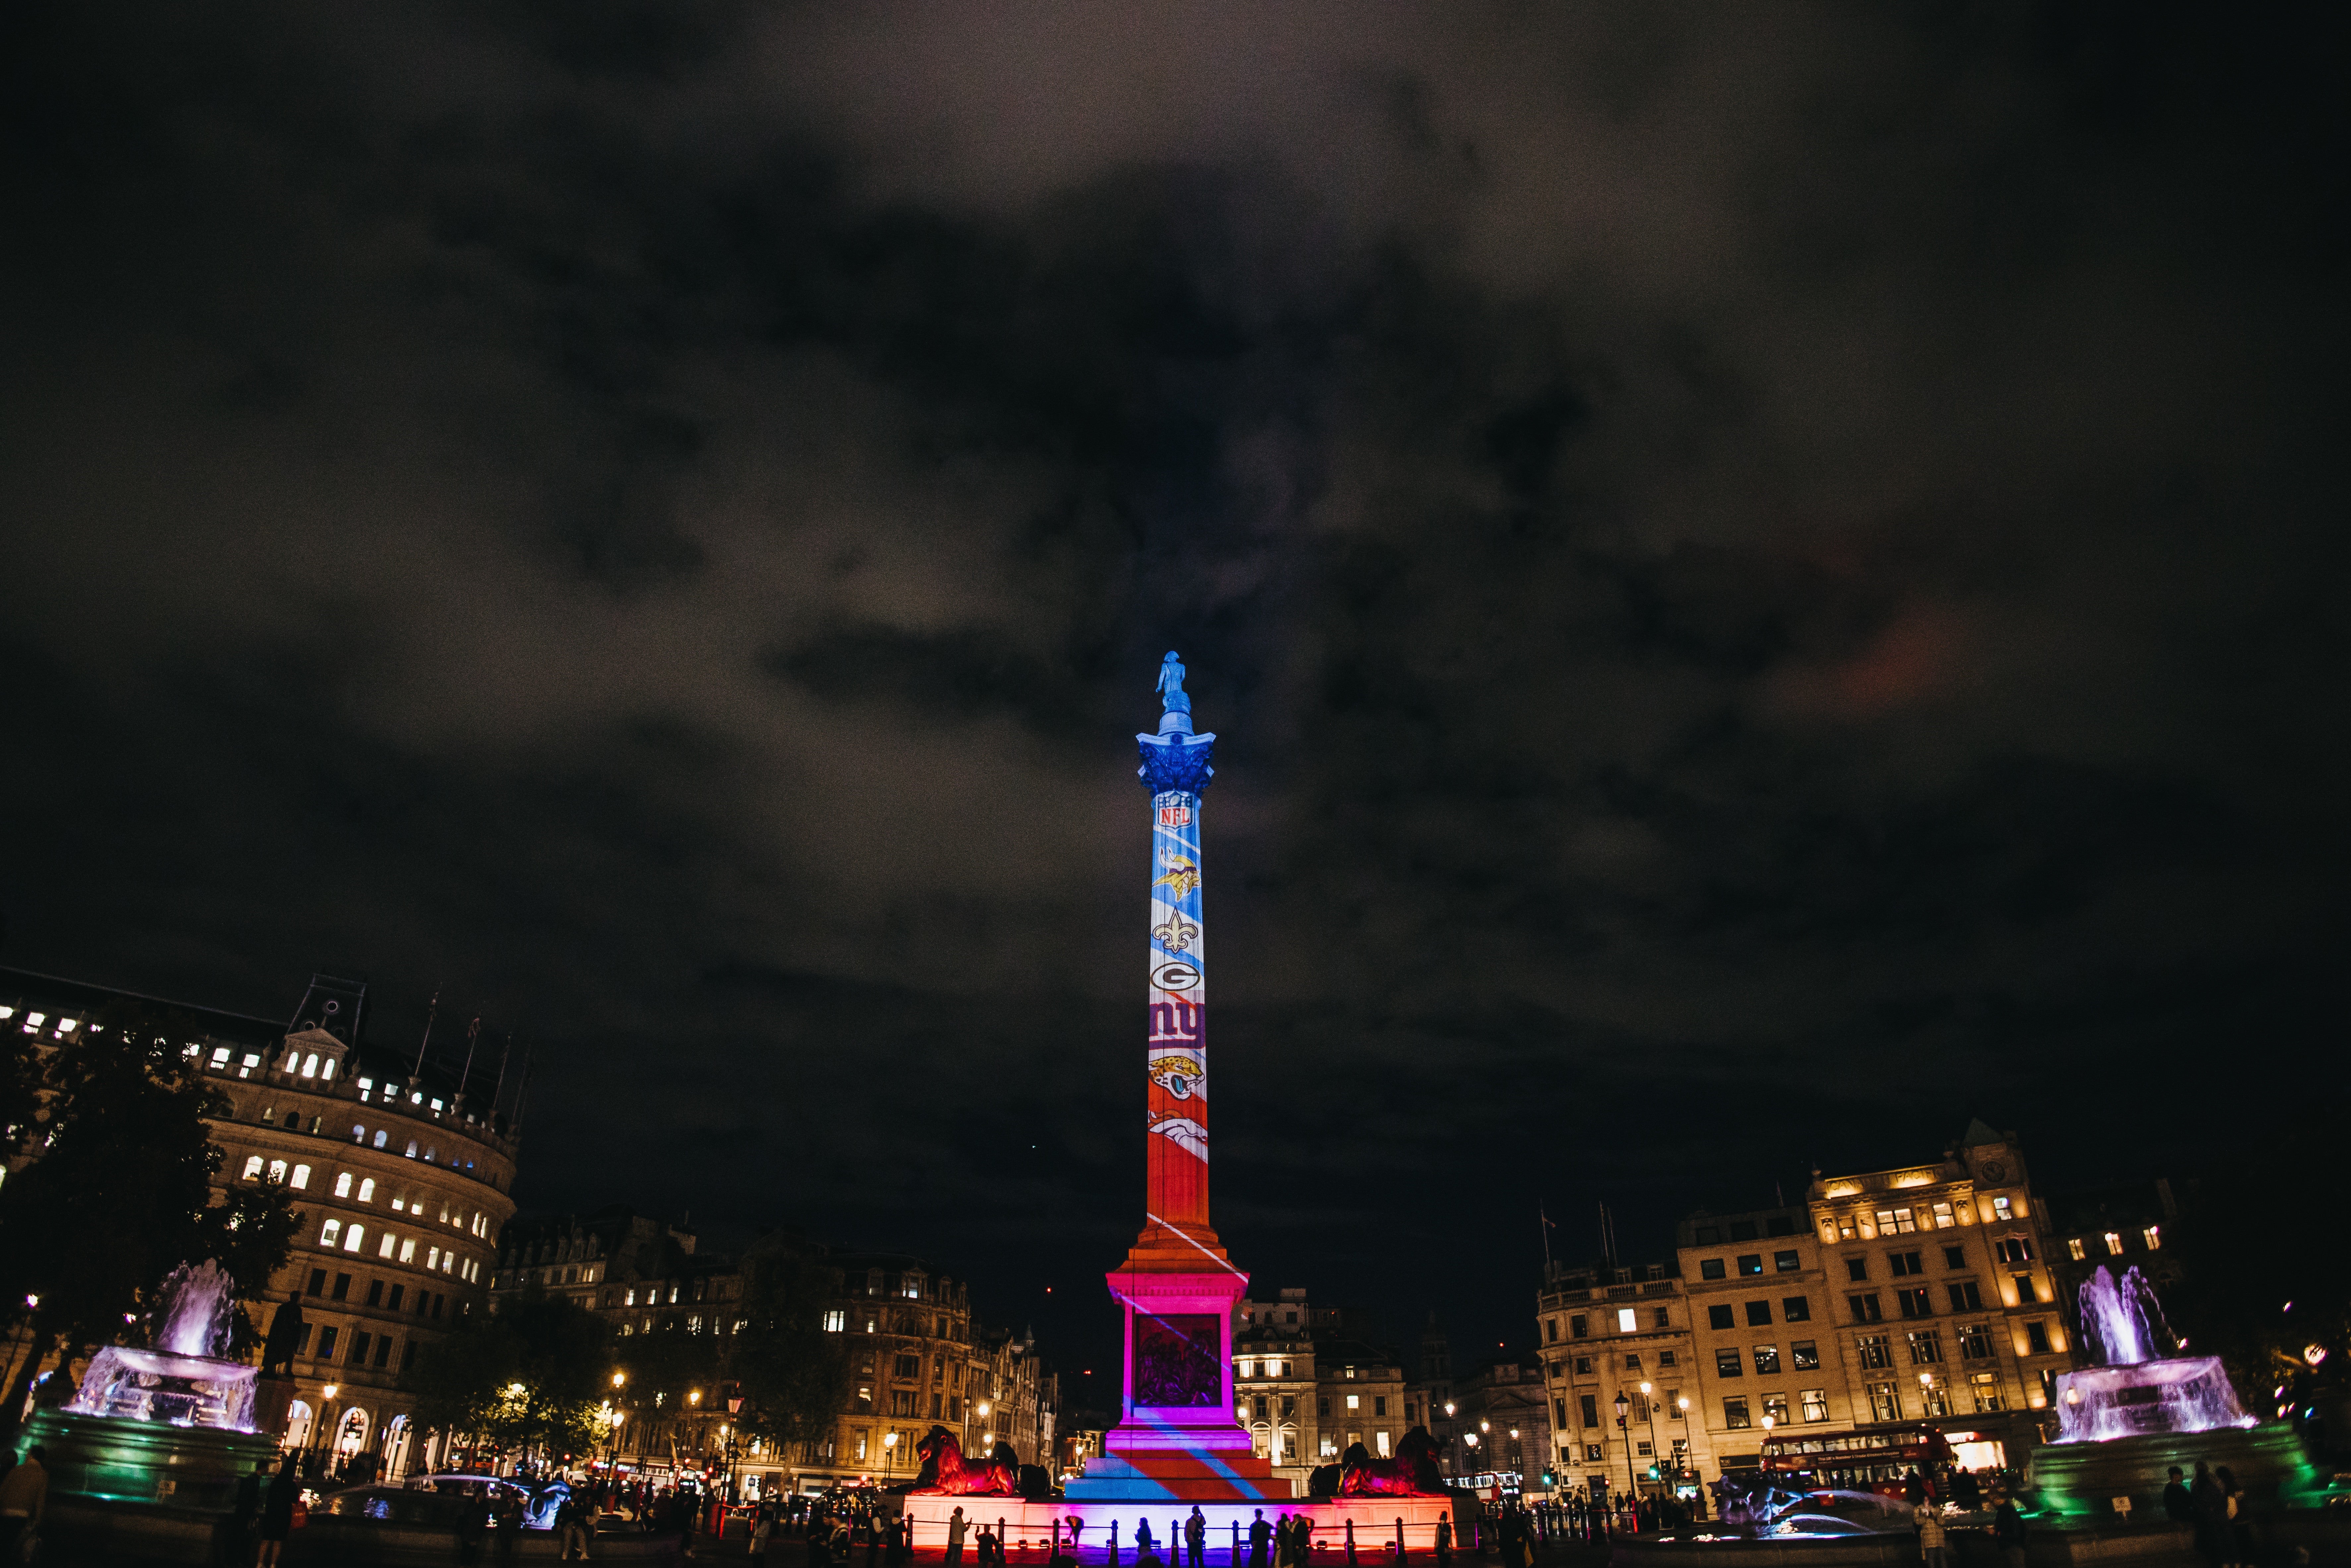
x=1354 y=1402
x=432 y=1257
x=293 y=1060
x=311 y=1068
x=301 y=1181
x=2073 y=1247
x=252 y=1060
x=408 y=1250
x=34 y=1020
x=1383 y=1437
x=343 y=1185
x=2114 y=1244
x=220 y=1057
x=382 y=1135
x=65 y=1026
x=836 y=1322
x=277 y=1170
x=384 y=1251
x=1944 y=1218
x=327 y=1069
x=1249 y=1369
x=7 y=1012
x=353 y=1237
x=629 y=1299
x=1628 y=1319
x=367 y=1087
x=449 y=1261
x=251 y=1168
x=331 y=1234
x=367 y=1191
x=436 y=1107
x=2000 y=1210
x=2152 y=1235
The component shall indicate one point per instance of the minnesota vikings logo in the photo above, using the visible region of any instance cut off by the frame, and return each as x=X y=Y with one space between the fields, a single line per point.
x=1185 y=1133
x=1179 y=1075
x=1180 y=875
x=1175 y=934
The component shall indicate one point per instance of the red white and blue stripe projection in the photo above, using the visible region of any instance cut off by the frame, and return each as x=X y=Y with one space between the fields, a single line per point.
x=1175 y=771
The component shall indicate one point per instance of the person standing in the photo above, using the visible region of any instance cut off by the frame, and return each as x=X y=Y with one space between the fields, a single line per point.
x=1260 y=1534
x=1445 y=1542
x=2209 y=1505
x=1195 y=1538
x=954 y=1536
x=2178 y=1507
x=760 y=1534
x=277 y=1511
x=2239 y=1517
x=1931 y=1538
x=2008 y=1529
x=24 y=1498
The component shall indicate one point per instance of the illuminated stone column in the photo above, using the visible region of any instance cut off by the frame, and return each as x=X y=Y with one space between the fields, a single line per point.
x=1177 y=1435
x=1175 y=771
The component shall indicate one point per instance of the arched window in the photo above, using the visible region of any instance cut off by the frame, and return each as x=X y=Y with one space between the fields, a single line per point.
x=344 y=1183
x=386 y=1250
x=311 y=1068
x=382 y=1135
x=331 y=1234
x=301 y=1178
x=367 y=1191
x=353 y=1236
x=277 y=1170
x=411 y=1147
x=359 y=1134
x=252 y=1167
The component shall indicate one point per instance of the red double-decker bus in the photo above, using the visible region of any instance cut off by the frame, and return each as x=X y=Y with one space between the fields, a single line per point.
x=1867 y=1459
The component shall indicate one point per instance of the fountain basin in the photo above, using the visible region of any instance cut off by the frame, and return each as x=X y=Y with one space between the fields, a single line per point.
x=166 y=1386
x=2084 y=1478
x=2178 y=1393
x=116 y=1459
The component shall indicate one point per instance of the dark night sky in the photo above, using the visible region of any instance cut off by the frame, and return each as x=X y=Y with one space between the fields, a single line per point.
x=1770 y=579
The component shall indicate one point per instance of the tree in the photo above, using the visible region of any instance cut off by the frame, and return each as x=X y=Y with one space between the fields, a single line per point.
x=792 y=1375
x=118 y=1191
x=529 y=1377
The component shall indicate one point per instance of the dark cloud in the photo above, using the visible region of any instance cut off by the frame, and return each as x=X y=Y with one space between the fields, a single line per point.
x=1768 y=580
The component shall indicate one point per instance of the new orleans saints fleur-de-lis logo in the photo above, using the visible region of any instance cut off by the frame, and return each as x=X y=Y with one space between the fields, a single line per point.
x=1175 y=934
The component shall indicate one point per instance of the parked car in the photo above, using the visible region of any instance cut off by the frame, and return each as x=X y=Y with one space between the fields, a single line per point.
x=396 y=1505
x=540 y=1499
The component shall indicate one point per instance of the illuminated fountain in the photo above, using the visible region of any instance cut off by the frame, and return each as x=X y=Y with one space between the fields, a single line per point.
x=169 y=1427
x=185 y=1380
x=2122 y=1423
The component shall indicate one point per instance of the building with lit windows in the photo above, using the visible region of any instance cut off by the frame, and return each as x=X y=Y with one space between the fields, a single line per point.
x=1613 y=1332
x=1767 y=1352
x=915 y=1355
x=2114 y=1227
x=1308 y=1384
x=1951 y=1310
x=399 y=1165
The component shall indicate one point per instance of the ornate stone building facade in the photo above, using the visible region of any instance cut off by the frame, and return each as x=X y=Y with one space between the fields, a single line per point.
x=400 y=1176
x=915 y=1356
x=1608 y=1331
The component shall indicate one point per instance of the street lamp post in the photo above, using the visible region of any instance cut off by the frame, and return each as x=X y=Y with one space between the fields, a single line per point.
x=1681 y=1413
x=612 y=1470
x=734 y=1436
x=1623 y=1404
x=889 y=1457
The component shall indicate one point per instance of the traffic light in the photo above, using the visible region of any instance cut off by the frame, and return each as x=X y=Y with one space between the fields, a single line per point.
x=1653 y=1472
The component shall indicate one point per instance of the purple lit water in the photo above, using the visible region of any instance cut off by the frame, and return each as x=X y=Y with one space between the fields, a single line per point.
x=185 y=1379
x=2134 y=1391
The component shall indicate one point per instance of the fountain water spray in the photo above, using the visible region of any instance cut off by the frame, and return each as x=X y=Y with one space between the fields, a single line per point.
x=2134 y=1391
